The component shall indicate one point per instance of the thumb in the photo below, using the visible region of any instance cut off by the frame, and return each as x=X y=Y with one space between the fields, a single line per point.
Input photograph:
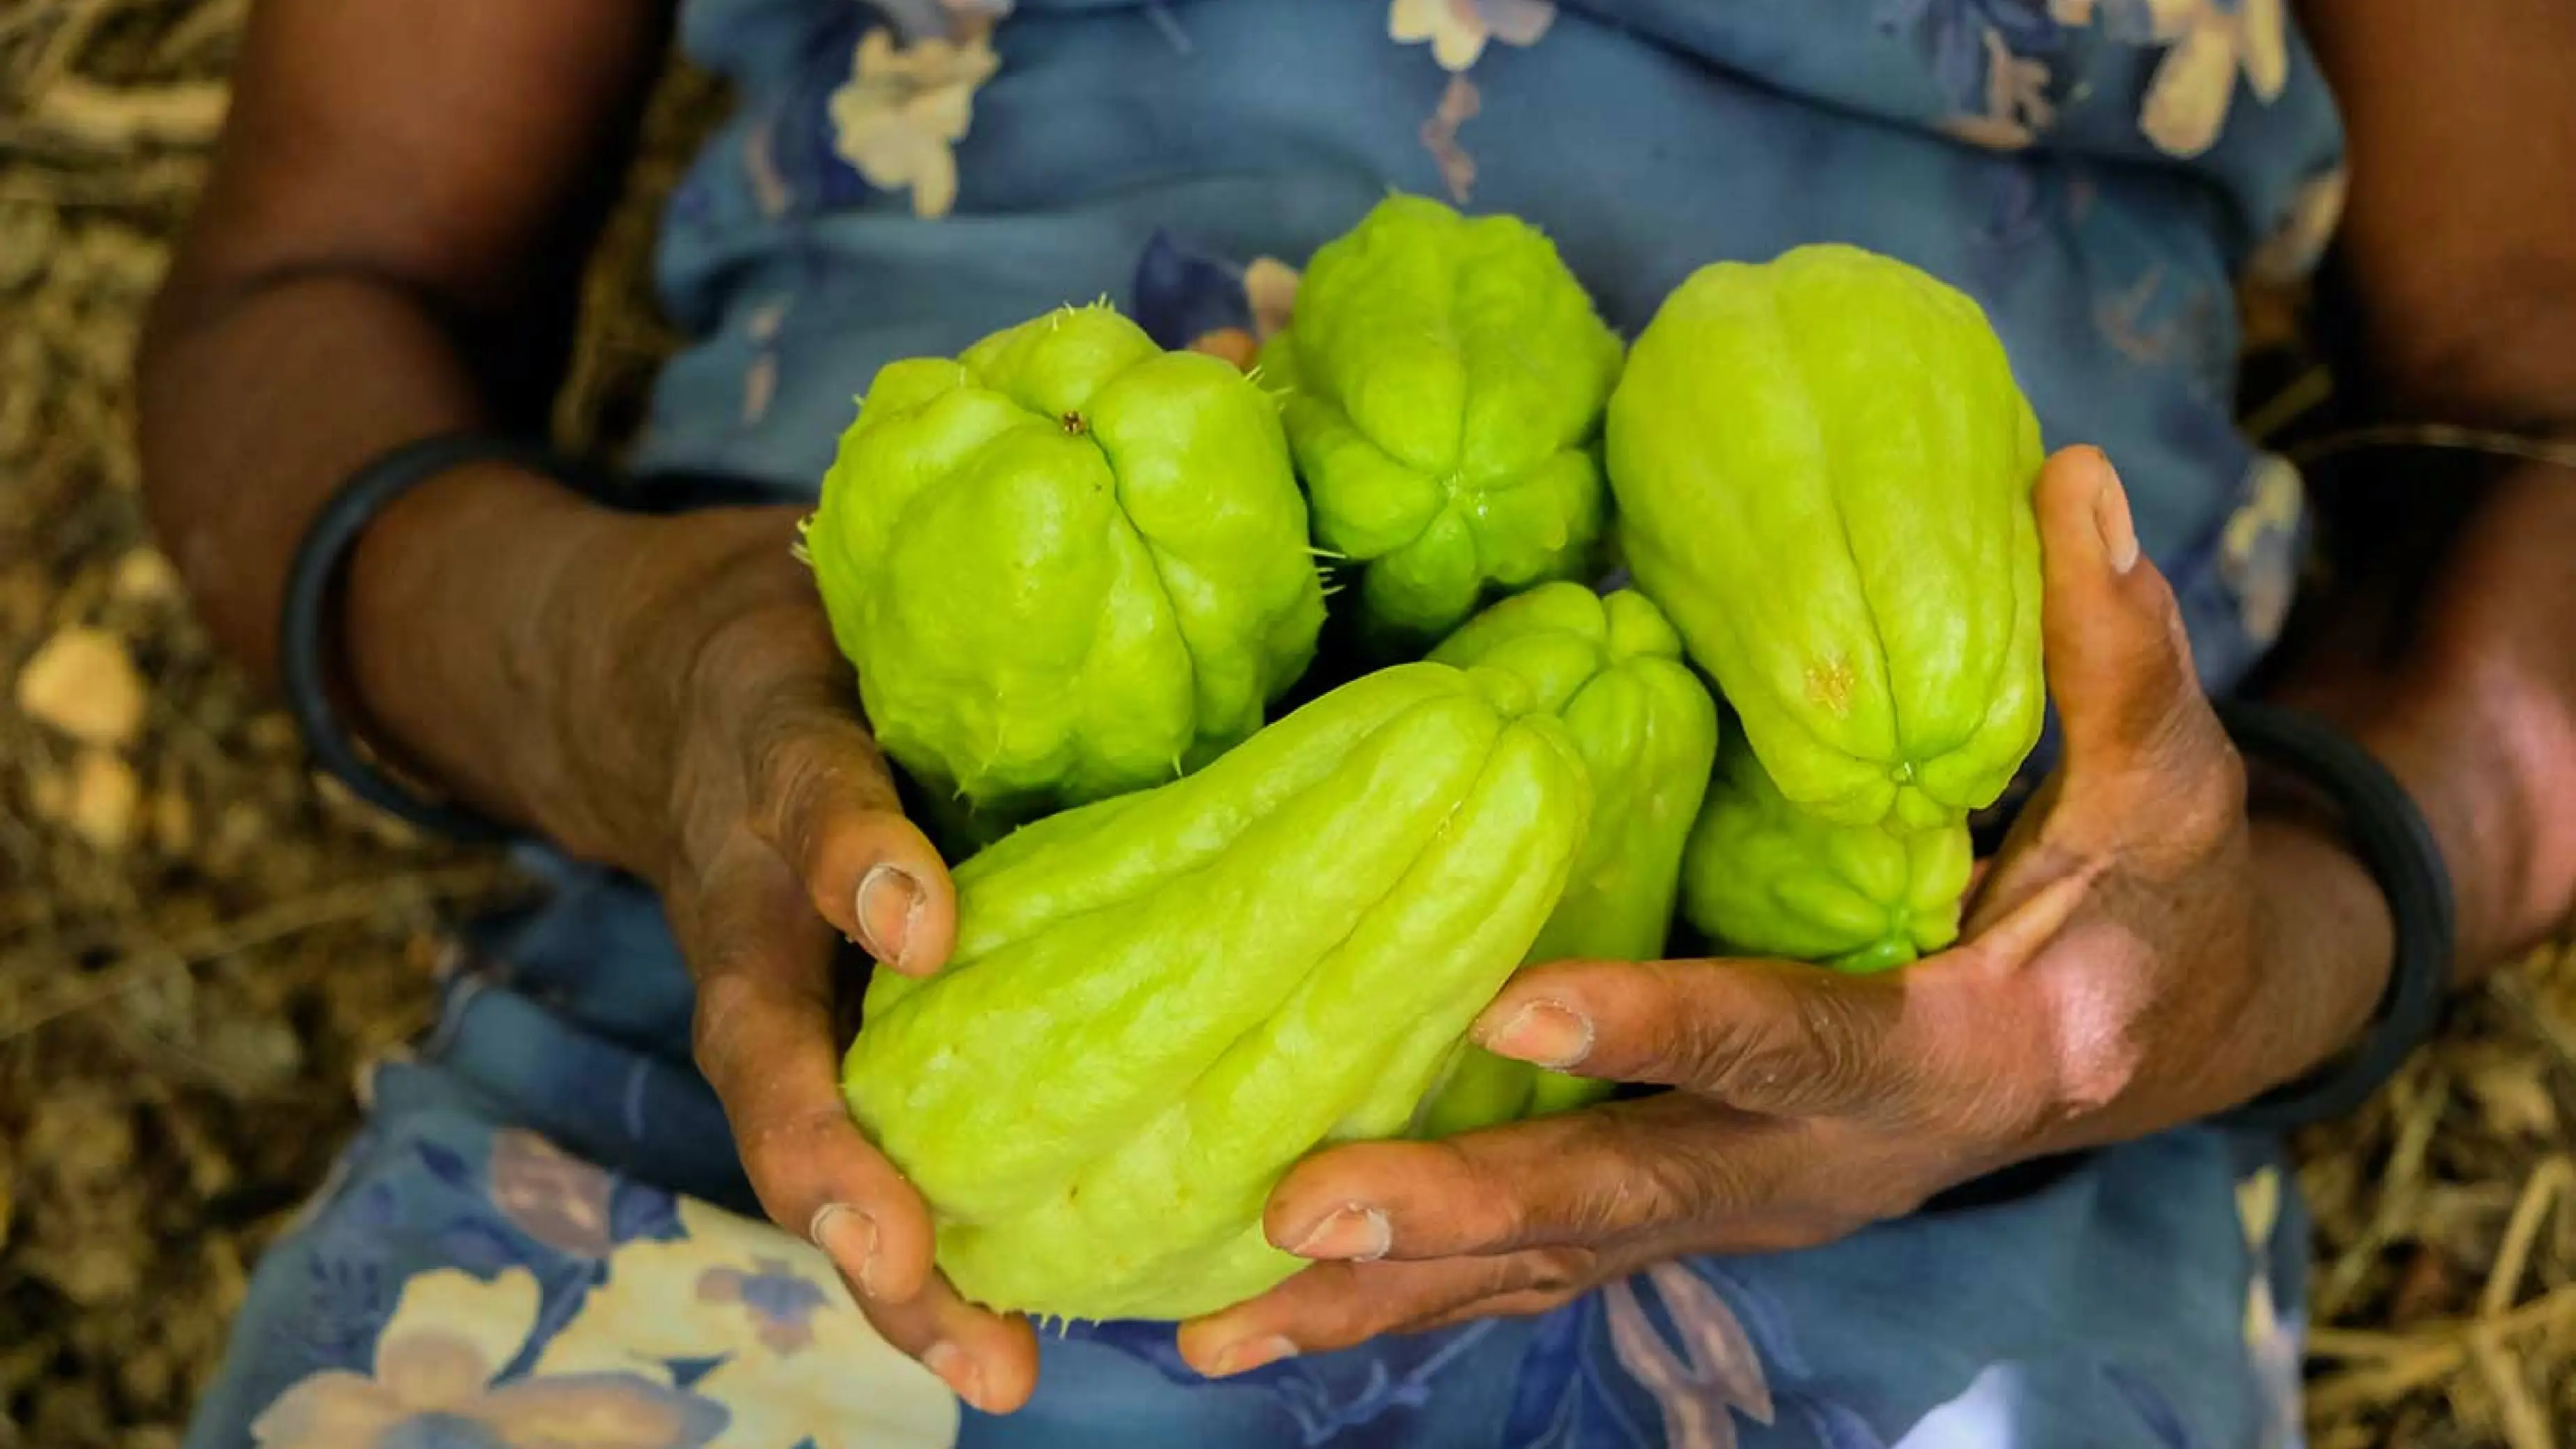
x=829 y=807
x=2128 y=700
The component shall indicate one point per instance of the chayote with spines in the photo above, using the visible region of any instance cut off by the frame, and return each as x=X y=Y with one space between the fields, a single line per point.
x=1066 y=563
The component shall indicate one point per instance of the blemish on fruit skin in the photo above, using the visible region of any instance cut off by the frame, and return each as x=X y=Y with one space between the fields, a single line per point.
x=1829 y=685
x=1074 y=426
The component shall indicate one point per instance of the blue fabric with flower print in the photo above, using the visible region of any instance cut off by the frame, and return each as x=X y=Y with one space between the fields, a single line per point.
x=542 y=1234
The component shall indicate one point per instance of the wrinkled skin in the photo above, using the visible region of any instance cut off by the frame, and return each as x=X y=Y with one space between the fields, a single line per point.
x=1610 y=669
x=2140 y=953
x=1443 y=383
x=1066 y=564
x=1823 y=466
x=1762 y=877
x=1159 y=1002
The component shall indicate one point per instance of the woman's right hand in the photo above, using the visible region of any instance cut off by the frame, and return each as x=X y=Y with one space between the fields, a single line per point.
x=704 y=732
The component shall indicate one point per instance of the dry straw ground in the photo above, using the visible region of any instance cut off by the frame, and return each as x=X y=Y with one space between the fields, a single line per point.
x=198 y=944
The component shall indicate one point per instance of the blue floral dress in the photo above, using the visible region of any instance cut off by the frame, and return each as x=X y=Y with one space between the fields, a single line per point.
x=542 y=1235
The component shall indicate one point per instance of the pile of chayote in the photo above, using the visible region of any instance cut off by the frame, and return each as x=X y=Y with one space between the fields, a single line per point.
x=1081 y=578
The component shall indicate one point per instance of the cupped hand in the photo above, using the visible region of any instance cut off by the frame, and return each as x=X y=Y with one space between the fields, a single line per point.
x=778 y=834
x=2139 y=954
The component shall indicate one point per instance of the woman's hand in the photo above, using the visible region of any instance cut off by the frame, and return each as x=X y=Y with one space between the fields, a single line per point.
x=2139 y=954
x=716 y=748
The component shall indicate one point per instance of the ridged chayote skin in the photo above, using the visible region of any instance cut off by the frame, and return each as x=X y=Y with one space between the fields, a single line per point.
x=1823 y=466
x=1066 y=564
x=1159 y=1002
x=1610 y=668
x=1762 y=877
x=1444 y=379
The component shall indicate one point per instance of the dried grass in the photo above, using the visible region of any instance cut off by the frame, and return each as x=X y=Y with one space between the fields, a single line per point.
x=198 y=943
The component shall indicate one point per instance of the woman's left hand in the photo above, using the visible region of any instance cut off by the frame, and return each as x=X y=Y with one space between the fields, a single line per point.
x=2139 y=954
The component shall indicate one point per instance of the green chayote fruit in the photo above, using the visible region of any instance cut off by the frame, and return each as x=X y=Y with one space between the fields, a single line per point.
x=1161 y=1001
x=1444 y=381
x=1066 y=564
x=1824 y=470
x=1611 y=670
x=1762 y=877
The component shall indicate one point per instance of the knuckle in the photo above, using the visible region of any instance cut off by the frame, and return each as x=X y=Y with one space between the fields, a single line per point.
x=1553 y=1272
x=1677 y=1186
x=1836 y=1027
x=725 y=992
x=1500 y=1214
x=789 y=770
x=1719 y=1055
x=779 y=1149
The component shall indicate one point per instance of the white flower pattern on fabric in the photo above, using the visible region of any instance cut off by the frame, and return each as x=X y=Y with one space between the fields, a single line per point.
x=552 y=1196
x=1270 y=295
x=1717 y=1374
x=2300 y=239
x=2273 y=1345
x=2195 y=84
x=450 y=1335
x=798 y=1361
x=1459 y=104
x=760 y=380
x=1459 y=30
x=2017 y=105
x=2256 y=554
x=900 y=115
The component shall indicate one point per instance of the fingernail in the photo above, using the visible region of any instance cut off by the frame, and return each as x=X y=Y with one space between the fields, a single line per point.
x=849 y=1238
x=889 y=900
x=1545 y=1033
x=1250 y=1354
x=2112 y=521
x=1352 y=1232
x=959 y=1372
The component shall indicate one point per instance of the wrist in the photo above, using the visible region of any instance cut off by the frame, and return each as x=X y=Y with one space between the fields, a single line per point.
x=520 y=648
x=443 y=674
x=2484 y=750
x=2324 y=943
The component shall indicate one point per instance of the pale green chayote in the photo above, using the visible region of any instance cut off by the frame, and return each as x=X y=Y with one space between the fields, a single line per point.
x=1610 y=668
x=1823 y=467
x=1444 y=379
x=1159 y=1002
x=1066 y=564
x=1762 y=877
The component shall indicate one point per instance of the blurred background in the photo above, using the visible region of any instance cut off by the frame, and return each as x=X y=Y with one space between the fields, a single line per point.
x=200 y=941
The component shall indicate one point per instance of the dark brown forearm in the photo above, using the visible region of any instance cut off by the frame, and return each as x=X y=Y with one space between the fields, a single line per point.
x=2455 y=275
x=2476 y=713
x=258 y=405
x=537 y=650
x=398 y=190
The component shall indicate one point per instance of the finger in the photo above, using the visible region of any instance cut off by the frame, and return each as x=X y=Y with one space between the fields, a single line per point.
x=763 y=1038
x=2118 y=660
x=1335 y=1305
x=827 y=804
x=1583 y=1180
x=1764 y=1036
x=991 y=1361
